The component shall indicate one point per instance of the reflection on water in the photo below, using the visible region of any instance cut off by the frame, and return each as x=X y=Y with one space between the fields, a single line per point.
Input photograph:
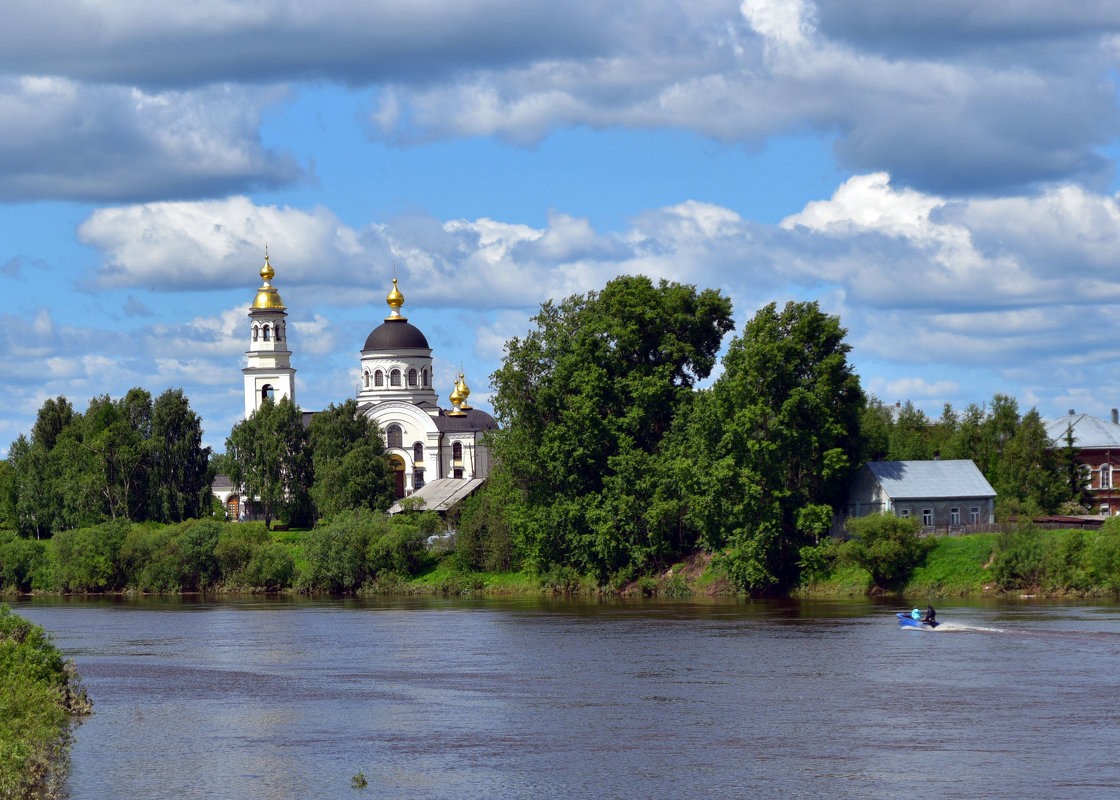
x=531 y=699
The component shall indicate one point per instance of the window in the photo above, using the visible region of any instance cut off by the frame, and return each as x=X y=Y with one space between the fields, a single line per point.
x=417 y=478
x=1106 y=476
x=365 y=379
x=264 y=333
x=927 y=517
x=256 y=332
x=954 y=516
x=424 y=376
x=379 y=378
x=458 y=473
x=418 y=453
x=281 y=331
x=412 y=377
x=395 y=378
x=974 y=514
x=1104 y=509
x=457 y=451
x=904 y=513
x=394 y=436
x=267 y=392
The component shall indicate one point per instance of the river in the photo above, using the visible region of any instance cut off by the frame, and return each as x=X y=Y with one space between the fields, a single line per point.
x=545 y=699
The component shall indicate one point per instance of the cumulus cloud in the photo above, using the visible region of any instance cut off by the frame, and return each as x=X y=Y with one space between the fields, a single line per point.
x=63 y=139
x=110 y=101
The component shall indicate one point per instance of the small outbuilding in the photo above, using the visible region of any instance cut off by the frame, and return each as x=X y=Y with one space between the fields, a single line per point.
x=944 y=496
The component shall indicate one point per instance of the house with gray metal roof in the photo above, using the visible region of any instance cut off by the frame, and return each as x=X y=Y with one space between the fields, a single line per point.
x=1098 y=449
x=944 y=496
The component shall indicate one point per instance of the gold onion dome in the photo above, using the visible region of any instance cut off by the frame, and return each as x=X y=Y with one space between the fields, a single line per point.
x=395 y=300
x=267 y=296
x=463 y=390
x=456 y=397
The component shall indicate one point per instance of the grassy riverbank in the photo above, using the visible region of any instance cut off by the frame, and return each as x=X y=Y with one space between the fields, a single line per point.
x=39 y=696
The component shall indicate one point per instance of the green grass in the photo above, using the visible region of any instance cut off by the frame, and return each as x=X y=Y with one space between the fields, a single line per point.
x=954 y=567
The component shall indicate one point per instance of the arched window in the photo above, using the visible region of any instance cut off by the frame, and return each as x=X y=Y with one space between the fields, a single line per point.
x=417 y=478
x=395 y=378
x=280 y=328
x=418 y=452
x=412 y=377
x=457 y=451
x=394 y=436
x=379 y=378
x=365 y=379
x=424 y=376
x=267 y=392
x=256 y=332
x=1106 y=476
x=264 y=332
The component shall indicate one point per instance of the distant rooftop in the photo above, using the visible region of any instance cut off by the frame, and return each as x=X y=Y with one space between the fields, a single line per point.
x=441 y=494
x=1088 y=431
x=929 y=480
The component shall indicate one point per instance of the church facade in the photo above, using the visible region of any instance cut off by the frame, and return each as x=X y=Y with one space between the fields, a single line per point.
x=424 y=441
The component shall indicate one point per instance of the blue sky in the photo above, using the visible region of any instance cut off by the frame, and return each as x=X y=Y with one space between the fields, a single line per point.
x=942 y=176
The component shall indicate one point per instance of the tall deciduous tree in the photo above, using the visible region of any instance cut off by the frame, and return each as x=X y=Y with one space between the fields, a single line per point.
x=271 y=462
x=348 y=454
x=586 y=400
x=180 y=478
x=774 y=442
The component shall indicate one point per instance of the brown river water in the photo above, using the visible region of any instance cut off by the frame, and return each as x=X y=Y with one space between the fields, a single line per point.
x=544 y=699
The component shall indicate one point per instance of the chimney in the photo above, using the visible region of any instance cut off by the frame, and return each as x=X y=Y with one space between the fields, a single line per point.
x=1071 y=412
x=1116 y=416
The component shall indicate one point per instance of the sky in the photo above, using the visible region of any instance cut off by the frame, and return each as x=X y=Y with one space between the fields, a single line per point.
x=941 y=175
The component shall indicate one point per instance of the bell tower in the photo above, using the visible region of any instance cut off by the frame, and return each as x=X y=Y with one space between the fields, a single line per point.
x=268 y=372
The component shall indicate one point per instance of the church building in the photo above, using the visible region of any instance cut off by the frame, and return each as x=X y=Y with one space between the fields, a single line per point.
x=425 y=442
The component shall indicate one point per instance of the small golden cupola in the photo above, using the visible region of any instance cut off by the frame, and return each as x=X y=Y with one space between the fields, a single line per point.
x=395 y=300
x=267 y=296
x=456 y=398
x=463 y=390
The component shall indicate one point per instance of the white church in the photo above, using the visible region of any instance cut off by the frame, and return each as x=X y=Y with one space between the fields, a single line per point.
x=438 y=454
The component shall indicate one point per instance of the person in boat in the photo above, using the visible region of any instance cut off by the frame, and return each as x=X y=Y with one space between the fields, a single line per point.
x=931 y=616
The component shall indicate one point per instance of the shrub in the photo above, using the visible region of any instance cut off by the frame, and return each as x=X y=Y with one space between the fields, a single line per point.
x=1020 y=558
x=886 y=546
x=399 y=550
x=89 y=558
x=198 y=543
x=336 y=551
x=271 y=568
x=237 y=543
x=21 y=560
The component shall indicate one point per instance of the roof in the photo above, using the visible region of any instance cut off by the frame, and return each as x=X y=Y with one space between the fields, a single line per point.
x=1088 y=432
x=396 y=334
x=441 y=494
x=930 y=479
x=475 y=419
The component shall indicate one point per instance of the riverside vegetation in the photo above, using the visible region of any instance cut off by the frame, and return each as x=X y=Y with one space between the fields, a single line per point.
x=40 y=696
x=613 y=470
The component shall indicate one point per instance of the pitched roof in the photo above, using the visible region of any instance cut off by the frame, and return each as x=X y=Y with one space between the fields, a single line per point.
x=930 y=479
x=1091 y=432
x=441 y=494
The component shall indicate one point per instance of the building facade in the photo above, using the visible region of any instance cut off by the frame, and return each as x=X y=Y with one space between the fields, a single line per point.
x=1098 y=449
x=943 y=496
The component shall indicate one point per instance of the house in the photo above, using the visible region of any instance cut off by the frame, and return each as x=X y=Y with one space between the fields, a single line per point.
x=1098 y=443
x=945 y=496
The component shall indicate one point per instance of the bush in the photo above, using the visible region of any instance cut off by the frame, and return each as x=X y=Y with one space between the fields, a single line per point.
x=336 y=551
x=237 y=543
x=399 y=550
x=89 y=558
x=21 y=562
x=886 y=546
x=270 y=568
x=1020 y=558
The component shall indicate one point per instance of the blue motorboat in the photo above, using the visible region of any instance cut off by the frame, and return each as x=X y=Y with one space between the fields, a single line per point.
x=910 y=621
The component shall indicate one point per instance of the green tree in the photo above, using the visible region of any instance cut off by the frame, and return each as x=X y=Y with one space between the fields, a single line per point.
x=179 y=463
x=875 y=424
x=1028 y=468
x=778 y=432
x=270 y=461
x=886 y=546
x=586 y=400
x=1073 y=472
x=910 y=435
x=348 y=455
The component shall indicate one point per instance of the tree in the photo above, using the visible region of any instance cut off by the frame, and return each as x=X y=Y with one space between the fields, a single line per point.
x=271 y=462
x=886 y=546
x=1074 y=473
x=1028 y=468
x=586 y=401
x=348 y=455
x=778 y=433
x=179 y=463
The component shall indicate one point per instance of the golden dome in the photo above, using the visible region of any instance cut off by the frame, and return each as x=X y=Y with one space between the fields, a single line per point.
x=456 y=397
x=463 y=390
x=267 y=296
x=395 y=300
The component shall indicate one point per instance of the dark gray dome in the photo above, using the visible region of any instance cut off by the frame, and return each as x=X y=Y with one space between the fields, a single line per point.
x=396 y=335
